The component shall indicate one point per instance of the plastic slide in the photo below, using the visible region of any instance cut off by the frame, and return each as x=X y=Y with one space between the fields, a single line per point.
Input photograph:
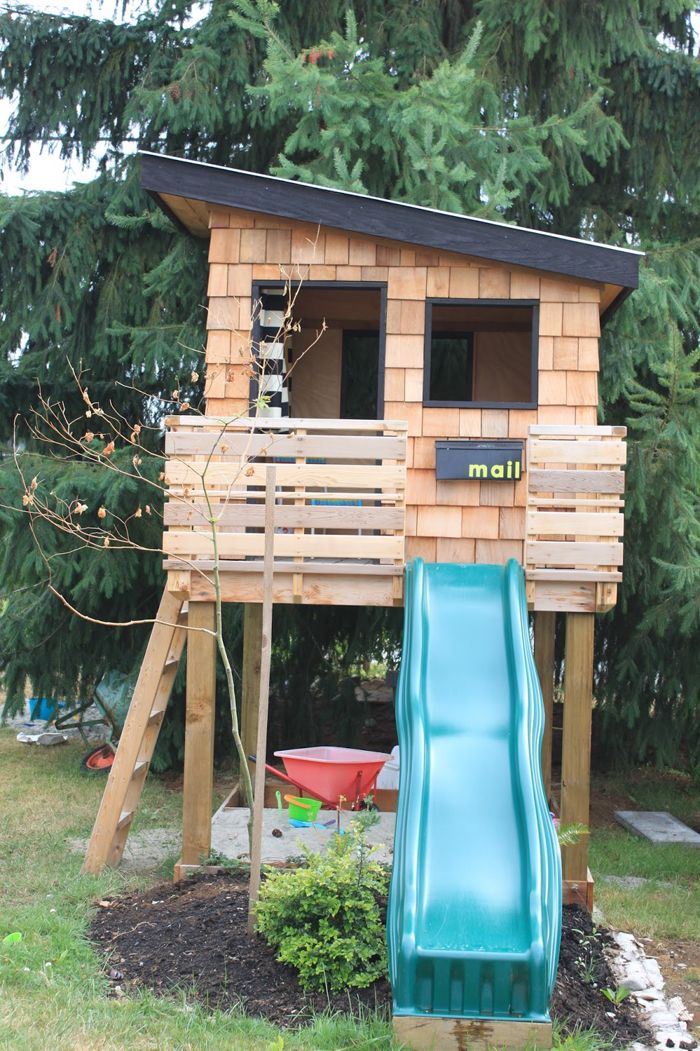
x=475 y=905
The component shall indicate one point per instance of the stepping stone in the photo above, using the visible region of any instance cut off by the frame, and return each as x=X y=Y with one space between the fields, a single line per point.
x=659 y=827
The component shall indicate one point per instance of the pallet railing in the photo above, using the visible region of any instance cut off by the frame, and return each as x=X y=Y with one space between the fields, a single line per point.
x=574 y=523
x=339 y=510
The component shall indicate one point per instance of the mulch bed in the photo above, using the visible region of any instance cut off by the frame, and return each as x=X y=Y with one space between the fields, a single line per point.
x=192 y=935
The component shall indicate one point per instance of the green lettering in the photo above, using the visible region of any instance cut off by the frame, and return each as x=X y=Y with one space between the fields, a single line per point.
x=497 y=470
x=478 y=470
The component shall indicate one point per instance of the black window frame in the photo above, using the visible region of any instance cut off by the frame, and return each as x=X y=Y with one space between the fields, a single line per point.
x=534 y=304
x=381 y=286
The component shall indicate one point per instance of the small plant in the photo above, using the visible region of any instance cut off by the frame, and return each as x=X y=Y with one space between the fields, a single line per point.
x=326 y=919
x=568 y=835
x=616 y=996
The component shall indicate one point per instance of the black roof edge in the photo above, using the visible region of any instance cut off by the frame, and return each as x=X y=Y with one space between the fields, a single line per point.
x=356 y=213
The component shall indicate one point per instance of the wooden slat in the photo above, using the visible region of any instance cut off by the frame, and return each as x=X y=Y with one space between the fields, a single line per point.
x=576 y=481
x=594 y=576
x=349 y=568
x=222 y=474
x=542 y=450
x=286 y=516
x=580 y=523
x=556 y=553
x=576 y=430
x=325 y=498
x=317 y=589
x=576 y=501
x=238 y=545
x=250 y=424
x=344 y=447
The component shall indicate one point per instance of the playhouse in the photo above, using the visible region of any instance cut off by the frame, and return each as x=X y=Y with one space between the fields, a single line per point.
x=431 y=392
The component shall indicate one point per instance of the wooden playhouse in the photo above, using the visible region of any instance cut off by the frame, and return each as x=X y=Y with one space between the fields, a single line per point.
x=431 y=389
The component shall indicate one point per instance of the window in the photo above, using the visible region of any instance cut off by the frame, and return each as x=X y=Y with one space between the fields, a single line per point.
x=479 y=354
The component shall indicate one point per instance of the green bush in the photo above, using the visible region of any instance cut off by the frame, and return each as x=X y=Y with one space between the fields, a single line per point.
x=327 y=918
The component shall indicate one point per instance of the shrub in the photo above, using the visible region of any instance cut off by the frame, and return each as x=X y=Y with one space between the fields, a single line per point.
x=326 y=919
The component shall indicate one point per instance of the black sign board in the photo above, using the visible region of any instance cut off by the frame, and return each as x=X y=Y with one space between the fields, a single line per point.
x=497 y=461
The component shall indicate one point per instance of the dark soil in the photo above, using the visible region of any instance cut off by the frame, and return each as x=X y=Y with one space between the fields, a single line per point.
x=578 y=999
x=192 y=935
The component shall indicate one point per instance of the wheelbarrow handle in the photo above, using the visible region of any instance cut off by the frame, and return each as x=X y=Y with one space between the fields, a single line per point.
x=276 y=772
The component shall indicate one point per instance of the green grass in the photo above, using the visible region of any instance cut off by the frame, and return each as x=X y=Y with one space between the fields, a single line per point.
x=668 y=906
x=52 y=991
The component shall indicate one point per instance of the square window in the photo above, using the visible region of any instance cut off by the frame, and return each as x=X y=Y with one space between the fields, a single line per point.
x=480 y=354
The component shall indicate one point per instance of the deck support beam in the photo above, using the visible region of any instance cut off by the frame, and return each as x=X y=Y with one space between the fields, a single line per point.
x=545 y=625
x=576 y=745
x=198 y=785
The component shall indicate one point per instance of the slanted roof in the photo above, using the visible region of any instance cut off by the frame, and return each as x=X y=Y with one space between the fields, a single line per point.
x=183 y=188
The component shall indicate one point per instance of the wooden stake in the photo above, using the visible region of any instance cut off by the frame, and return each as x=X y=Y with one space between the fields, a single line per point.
x=545 y=623
x=264 y=698
x=197 y=789
x=576 y=746
x=250 y=694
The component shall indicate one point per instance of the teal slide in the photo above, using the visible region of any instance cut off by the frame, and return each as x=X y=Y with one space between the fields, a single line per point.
x=475 y=905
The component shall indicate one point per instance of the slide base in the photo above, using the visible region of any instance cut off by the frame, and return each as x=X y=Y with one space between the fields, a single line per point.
x=478 y=1034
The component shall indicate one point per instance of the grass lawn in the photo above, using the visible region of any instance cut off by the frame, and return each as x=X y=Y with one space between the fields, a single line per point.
x=668 y=905
x=52 y=993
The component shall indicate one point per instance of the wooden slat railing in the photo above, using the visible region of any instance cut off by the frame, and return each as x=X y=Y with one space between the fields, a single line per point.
x=574 y=525
x=339 y=507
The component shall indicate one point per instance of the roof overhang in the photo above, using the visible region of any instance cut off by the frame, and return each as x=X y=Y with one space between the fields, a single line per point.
x=184 y=188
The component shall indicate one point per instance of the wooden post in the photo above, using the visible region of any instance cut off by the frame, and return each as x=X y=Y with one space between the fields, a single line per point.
x=198 y=786
x=263 y=698
x=250 y=694
x=545 y=624
x=576 y=746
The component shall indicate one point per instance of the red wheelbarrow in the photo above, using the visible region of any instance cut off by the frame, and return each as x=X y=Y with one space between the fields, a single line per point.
x=331 y=774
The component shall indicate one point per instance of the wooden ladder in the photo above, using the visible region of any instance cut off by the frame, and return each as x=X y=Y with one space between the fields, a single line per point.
x=138 y=738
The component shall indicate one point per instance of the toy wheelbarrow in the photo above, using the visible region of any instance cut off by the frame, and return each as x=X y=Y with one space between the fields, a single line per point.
x=333 y=775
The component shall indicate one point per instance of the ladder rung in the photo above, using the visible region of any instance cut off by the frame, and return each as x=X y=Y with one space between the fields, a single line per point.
x=124 y=818
x=172 y=661
x=139 y=767
x=154 y=717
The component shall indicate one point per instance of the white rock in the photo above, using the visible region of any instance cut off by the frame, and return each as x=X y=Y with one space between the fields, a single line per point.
x=676 y=1005
x=648 y=994
x=661 y=1019
x=628 y=943
x=651 y=966
x=635 y=977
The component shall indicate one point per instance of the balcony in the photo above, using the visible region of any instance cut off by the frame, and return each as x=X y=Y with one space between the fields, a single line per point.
x=339 y=513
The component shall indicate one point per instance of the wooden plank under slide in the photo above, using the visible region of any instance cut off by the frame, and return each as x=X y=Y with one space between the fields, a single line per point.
x=423 y=1033
x=138 y=738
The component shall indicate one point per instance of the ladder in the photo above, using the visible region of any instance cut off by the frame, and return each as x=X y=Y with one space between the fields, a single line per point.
x=138 y=739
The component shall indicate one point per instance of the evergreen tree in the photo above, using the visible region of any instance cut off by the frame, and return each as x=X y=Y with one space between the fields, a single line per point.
x=572 y=117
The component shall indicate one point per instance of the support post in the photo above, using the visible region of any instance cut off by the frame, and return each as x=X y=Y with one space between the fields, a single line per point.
x=250 y=693
x=545 y=625
x=576 y=745
x=198 y=786
x=263 y=698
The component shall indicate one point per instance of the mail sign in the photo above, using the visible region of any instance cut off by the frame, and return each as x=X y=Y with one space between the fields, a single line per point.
x=497 y=461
